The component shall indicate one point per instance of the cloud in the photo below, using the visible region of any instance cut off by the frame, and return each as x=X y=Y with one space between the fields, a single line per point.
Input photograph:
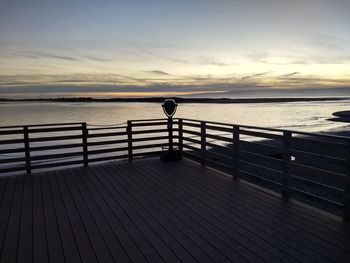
x=97 y=59
x=254 y=75
x=157 y=72
x=290 y=74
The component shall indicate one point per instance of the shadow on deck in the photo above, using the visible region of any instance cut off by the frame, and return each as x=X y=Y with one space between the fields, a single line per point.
x=149 y=211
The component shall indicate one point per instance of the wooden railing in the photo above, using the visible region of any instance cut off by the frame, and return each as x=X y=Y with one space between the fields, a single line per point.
x=313 y=168
x=37 y=147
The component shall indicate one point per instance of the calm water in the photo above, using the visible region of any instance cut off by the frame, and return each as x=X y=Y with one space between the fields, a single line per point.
x=304 y=116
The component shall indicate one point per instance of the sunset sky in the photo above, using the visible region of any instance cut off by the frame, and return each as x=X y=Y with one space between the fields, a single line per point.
x=186 y=48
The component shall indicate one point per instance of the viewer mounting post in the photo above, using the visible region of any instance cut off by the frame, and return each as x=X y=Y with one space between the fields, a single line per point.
x=169 y=107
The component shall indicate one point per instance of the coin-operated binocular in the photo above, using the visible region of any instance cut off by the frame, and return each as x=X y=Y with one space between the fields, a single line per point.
x=169 y=153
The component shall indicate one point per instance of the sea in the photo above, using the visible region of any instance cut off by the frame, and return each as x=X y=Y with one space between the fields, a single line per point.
x=299 y=116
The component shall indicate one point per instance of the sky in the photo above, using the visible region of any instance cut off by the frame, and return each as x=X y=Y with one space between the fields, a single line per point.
x=225 y=48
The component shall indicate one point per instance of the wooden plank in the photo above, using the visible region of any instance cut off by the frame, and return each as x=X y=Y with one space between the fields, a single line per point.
x=55 y=156
x=83 y=241
x=148 y=120
x=155 y=217
x=109 y=134
x=188 y=146
x=13 y=160
x=11 y=132
x=212 y=239
x=116 y=226
x=5 y=208
x=307 y=223
x=259 y=166
x=114 y=246
x=108 y=128
x=54 y=124
x=316 y=197
x=218 y=128
x=150 y=131
x=3 y=184
x=60 y=129
x=154 y=138
x=151 y=235
x=108 y=158
x=101 y=250
x=147 y=154
x=17 y=150
x=261 y=134
x=108 y=150
x=193 y=140
x=25 y=242
x=54 y=242
x=295 y=166
x=309 y=181
x=98 y=143
x=185 y=123
x=55 y=138
x=191 y=132
x=40 y=246
x=13 y=141
x=220 y=138
x=133 y=231
x=156 y=123
x=10 y=245
x=232 y=216
x=224 y=202
x=320 y=157
x=56 y=147
x=69 y=245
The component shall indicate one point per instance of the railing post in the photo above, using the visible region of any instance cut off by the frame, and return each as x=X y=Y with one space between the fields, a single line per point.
x=346 y=212
x=85 y=145
x=203 y=143
x=27 y=149
x=129 y=132
x=180 y=135
x=235 y=151
x=287 y=135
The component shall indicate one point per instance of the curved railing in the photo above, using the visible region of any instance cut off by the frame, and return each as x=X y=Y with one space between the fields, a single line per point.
x=311 y=167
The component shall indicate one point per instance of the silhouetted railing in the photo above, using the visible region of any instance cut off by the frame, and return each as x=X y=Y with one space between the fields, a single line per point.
x=306 y=166
x=33 y=147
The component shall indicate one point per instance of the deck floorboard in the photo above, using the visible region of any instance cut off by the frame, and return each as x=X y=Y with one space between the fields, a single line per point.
x=151 y=211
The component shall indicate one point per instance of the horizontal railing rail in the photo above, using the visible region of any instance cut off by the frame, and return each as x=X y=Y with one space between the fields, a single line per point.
x=311 y=167
x=37 y=147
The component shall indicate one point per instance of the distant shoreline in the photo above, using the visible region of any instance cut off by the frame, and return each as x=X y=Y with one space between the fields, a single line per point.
x=178 y=100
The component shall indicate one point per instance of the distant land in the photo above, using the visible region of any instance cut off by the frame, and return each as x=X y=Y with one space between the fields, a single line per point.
x=177 y=99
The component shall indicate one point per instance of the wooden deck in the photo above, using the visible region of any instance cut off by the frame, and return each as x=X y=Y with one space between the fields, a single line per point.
x=149 y=211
